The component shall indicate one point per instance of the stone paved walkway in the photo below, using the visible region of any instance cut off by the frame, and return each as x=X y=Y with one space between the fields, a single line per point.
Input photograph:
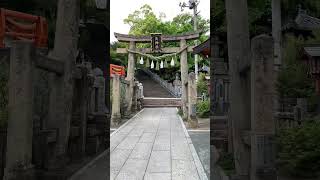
x=154 y=145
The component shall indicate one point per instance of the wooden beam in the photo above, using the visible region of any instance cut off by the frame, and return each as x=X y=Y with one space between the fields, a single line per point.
x=49 y=64
x=166 y=50
x=165 y=38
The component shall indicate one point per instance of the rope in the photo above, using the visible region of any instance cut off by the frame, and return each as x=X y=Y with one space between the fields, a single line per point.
x=157 y=58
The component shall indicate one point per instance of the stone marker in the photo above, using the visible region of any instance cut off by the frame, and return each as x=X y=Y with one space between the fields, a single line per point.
x=20 y=122
x=115 y=116
x=130 y=77
x=192 y=100
x=184 y=78
x=262 y=120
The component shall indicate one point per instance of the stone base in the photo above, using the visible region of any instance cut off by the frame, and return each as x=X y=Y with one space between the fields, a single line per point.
x=116 y=120
x=193 y=123
x=21 y=174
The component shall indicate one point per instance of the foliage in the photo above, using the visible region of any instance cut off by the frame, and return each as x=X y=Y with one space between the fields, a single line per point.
x=289 y=7
x=203 y=108
x=226 y=162
x=144 y=21
x=299 y=150
x=293 y=80
x=259 y=13
x=180 y=112
x=202 y=86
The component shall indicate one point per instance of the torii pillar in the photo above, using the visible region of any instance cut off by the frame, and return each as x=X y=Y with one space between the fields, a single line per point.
x=132 y=40
x=184 y=78
x=130 y=77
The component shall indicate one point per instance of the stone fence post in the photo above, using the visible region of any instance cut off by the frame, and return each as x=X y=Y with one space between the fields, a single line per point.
x=20 y=123
x=116 y=115
x=192 y=100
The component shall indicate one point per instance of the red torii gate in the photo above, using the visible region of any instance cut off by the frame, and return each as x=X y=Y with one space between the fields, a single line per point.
x=22 y=26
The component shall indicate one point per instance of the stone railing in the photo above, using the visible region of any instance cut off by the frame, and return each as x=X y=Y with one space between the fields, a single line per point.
x=176 y=91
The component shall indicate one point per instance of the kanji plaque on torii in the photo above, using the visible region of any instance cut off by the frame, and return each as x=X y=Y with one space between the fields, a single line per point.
x=156 y=42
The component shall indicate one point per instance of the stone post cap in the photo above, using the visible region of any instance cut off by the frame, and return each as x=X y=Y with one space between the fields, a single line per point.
x=192 y=75
x=97 y=72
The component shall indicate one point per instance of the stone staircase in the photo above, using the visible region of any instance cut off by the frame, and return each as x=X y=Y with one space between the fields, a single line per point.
x=161 y=102
x=154 y=94
x=219 y=132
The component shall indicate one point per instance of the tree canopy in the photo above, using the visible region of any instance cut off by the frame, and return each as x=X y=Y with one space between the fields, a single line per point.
x=144 y=21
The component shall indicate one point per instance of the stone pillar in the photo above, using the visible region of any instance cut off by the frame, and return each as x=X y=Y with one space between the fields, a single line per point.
x=84 y=105
x=20 y=123
x=192 y=100
x=116 y=115
x=239 y=58
x=184 y=78
x=99 y=85
x=130 y=77
x=135 y=96
x=61 y=92
x=262 y=120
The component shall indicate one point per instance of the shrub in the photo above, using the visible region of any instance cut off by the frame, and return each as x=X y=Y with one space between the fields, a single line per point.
x=226 y=162
x=203 y=109
x=202 y=85
x=299 y=150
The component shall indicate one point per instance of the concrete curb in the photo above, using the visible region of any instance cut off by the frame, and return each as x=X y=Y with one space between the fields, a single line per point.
x=87 y=166
x=200 y=169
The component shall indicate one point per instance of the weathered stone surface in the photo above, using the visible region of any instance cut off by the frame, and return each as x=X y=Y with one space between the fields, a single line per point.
x=116 y=115
x=141 y=151
x=147 y=137
x=162 y=144
x=117 y=158
x=184 y=79
x=160 y=161
x=128 y=142
x=155 y=148
x=133 y=169
x=130 y=77
x=184 y=169
x=192 y=100
x=262 y=94
x=20 y=123
x=157 y=176
x=181 y=152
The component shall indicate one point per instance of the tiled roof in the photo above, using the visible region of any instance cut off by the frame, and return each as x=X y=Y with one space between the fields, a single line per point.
x=303 y=22
x=307 y=22
x=313 y=51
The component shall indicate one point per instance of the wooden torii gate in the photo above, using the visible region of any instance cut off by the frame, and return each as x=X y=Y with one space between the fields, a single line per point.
x=133 y=40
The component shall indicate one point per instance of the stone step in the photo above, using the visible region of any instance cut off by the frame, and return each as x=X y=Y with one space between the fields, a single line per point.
x=151 y=88
x=161 y=102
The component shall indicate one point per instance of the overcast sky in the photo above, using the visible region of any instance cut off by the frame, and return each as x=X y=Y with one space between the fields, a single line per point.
x=120 y=9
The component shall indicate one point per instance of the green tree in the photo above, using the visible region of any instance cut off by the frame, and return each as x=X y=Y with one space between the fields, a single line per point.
x=144 y=21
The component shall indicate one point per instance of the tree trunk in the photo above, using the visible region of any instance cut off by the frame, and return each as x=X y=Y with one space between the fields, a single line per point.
x=239 y=57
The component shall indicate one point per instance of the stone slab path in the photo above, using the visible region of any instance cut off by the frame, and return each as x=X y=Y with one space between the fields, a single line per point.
x=154 y=145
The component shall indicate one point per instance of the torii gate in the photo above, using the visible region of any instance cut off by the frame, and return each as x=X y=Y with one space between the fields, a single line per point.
x=183 y=50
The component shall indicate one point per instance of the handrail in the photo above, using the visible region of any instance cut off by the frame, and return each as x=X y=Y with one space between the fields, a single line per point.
x=173 y=90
